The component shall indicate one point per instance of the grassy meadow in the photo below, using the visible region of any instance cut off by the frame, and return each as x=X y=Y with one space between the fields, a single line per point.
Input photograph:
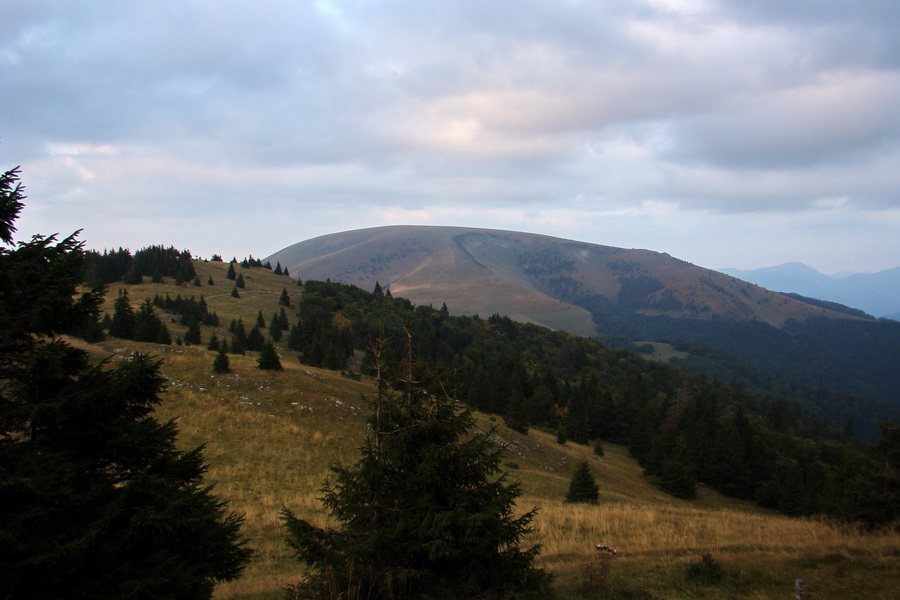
x=270 y=437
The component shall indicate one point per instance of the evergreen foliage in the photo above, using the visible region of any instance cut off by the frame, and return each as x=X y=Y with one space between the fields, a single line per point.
x=582 y=486
x=239 y=282
x=268 y=357
x=284 y=299
x=255 y=339
x=683 y=429
x=238 y=338
x=424 y=513
x=133 y=275
x=220 y=362
x=97 y=500
x=155 y=262
x=148 y=327
x=231 y=273
x=234 y=293
x=213 y=344
x=123 y=319
x=193 y=335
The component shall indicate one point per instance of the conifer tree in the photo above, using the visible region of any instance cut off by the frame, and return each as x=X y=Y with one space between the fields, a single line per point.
x=193 y=335
x=148 y=327
x=234 y=293
x=268 y=357
x=220 y=362
x=133 y=275
x=295 y=337
x=278 y=270
x=239 y=282
x=97 y=499
x=213 y=344
x=255 y=339
x=260 y=321
x=239 y=339
x=122 y=323
x=285 y=299
x=425 y=512
x=285 y=272
x=231 y=273
x=582 y=486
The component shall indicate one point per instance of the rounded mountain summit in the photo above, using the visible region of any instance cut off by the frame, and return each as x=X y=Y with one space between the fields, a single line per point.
x=558 y=283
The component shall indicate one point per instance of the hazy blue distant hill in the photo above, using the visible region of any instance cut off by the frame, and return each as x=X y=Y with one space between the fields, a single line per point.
x=875 y=293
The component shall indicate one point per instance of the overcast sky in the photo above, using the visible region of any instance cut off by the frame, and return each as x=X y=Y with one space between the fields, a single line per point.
x=729 y=133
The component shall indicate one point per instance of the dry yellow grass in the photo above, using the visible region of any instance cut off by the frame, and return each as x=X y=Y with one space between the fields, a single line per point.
x=270 y=438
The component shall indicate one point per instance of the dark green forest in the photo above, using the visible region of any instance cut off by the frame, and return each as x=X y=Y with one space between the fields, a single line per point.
x=683 y=428
x=842 y=367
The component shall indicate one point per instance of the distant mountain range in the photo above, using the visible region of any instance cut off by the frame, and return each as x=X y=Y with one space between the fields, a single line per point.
x=875 y=293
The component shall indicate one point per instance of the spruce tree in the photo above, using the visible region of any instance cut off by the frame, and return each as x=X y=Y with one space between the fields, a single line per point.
x=193 y=335
x=97 y=499
x=582 y=486
x=255 y=339
x=148 y=327
x=260 y=321
x=133 y=275
x=213 y=344
x=268 y=357
x=220 y=363
x=285 y=299
x=122 y=323
x=426 y=511
x=231 y=273
x=239 y=282
x=234 y=293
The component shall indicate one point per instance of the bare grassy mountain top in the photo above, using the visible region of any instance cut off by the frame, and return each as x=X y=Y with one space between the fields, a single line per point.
x=540 y=279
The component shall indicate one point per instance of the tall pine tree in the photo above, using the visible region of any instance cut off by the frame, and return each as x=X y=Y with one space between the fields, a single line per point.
x=97 y=500
x=425 y=512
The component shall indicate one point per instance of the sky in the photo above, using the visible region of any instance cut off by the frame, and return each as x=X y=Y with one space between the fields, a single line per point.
x=728 y=133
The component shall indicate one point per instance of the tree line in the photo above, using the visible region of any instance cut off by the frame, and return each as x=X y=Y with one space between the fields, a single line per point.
x=683 y=428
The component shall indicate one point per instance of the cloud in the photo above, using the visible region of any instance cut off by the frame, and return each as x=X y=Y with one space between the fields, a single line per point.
x=326 y=115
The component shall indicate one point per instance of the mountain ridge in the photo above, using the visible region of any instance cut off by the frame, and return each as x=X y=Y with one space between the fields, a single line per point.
x=536 y=278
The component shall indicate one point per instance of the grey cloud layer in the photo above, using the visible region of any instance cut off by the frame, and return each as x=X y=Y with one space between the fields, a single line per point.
x=599 y=106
